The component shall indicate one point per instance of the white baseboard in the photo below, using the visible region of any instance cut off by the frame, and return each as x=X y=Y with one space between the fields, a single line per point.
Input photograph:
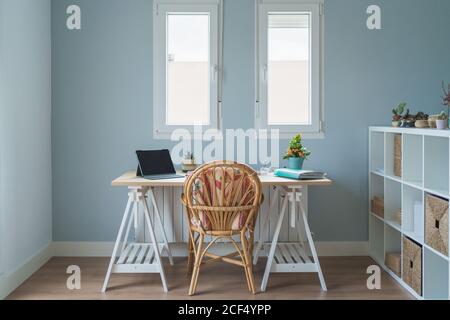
x=11 y=281
x=104 y=249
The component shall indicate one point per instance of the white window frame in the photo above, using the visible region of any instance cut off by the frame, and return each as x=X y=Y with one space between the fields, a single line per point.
x=316 y=8
x=160 y=10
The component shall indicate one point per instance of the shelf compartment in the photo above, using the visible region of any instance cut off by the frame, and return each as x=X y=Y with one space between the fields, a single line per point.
x=377 y=152
x=436 y=175
x=376 y=192
x=413 y=159
x=392 y=201
x=436 y=276
x=413 y=213
x=392 y=245
x=376 y=239
x=393 y=151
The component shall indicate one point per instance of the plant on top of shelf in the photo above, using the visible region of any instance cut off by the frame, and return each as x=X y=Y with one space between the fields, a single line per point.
x=442 y=121
x=398 y=112
x=408 y=120
x=296 y=153
x=421 y=120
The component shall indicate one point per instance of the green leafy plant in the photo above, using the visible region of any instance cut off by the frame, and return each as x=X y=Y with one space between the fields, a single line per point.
x=296 y=149
x=442 y=116
x=398 y=111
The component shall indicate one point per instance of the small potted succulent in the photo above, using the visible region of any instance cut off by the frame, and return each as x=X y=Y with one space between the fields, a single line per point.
x=408 y=120
x=442 y=121
x=421 y=120
x=296 y=153
x=188 y=163
x=397 y=114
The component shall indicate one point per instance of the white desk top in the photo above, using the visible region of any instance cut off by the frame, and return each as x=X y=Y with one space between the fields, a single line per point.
x=129 y=179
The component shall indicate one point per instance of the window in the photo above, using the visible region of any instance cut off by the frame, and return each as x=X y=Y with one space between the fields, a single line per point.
x=186 y=65
x=289 y=59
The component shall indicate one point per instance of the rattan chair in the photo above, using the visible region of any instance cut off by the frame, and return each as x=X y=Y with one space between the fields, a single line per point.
x=222 y=200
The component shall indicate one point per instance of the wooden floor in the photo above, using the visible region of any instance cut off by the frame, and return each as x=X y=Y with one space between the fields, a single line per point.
x=346 y=279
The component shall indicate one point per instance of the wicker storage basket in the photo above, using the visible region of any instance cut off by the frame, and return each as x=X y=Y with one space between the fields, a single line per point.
x=412 y=265
x=377 y=205
x=398 y=155
x=436 y=223
x=393 y=261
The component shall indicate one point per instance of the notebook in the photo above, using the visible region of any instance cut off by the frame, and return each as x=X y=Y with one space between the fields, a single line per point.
x=300 y=174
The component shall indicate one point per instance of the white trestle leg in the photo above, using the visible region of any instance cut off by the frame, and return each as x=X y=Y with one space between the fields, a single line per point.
x=138 y=256
x=292 y=257
x=158 y=218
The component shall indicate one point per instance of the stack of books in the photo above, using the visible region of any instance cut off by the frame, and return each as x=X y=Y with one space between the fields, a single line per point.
x=300 y=174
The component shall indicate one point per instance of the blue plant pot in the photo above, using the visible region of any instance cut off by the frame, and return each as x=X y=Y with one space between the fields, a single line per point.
x=295 y=163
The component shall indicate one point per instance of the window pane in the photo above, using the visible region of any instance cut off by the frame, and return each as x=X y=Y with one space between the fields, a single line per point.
x=289 y=69
x=188 y=77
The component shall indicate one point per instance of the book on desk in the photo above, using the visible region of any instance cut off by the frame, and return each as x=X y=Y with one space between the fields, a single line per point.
x=300 y=174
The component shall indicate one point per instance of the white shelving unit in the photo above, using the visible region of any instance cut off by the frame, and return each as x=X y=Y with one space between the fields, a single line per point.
x=425 y=170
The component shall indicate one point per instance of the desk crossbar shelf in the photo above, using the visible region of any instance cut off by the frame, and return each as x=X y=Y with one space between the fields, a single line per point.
x=291 y=257
x=136 y=257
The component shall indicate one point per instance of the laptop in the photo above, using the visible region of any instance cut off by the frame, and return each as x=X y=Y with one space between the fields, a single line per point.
x=156 y=165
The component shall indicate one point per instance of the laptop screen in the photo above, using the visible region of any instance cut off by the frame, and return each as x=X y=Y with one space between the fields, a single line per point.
x=155 y=162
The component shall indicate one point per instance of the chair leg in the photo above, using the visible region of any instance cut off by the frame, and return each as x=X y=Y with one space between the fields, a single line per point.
x=252 y=243
x=248 y=263
x=198 y=261
x=191 y=255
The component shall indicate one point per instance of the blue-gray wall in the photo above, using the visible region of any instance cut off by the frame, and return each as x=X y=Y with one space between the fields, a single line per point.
x=102 y=101
x=25 y=133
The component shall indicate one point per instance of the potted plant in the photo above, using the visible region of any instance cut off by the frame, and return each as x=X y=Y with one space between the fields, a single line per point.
x=296 y=153
x=397 y=117
x=442 y=121
x=421 y=120
x=188 y=162
x=408 y=120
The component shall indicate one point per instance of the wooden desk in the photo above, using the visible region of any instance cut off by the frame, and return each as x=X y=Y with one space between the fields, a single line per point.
x=282 y=257
x=129 y=179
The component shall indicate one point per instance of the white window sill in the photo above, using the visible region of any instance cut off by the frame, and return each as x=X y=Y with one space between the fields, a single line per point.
x=167 y=135
x=310 y=135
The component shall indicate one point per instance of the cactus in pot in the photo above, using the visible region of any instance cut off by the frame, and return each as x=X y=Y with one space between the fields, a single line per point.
x=397 y=114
